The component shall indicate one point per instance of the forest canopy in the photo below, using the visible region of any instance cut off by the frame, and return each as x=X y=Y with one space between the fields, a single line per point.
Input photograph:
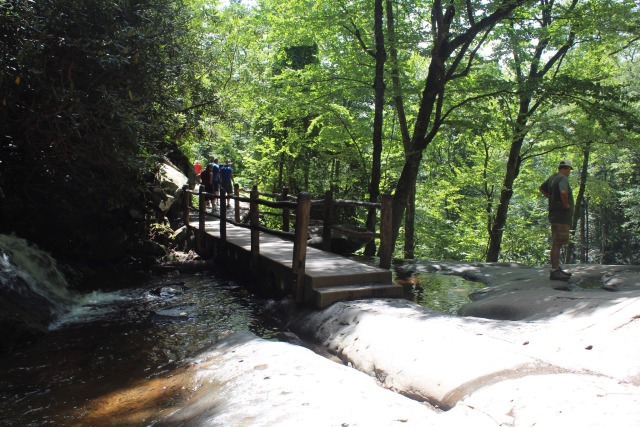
x=458 y=109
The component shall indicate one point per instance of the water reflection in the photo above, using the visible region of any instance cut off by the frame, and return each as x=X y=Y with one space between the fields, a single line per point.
x=440 y=292
x=445 y=293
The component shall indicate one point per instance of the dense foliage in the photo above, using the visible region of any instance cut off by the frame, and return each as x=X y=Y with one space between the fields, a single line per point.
x=459 y=109
x=90 y=90
x=551 y=80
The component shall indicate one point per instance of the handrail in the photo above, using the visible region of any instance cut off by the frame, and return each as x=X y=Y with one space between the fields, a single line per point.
x=301 y=213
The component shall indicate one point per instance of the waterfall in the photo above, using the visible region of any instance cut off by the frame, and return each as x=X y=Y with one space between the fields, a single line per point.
x=33 y=292
x=36 y=269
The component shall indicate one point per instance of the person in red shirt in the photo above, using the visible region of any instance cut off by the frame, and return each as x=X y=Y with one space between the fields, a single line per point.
x=197 y=167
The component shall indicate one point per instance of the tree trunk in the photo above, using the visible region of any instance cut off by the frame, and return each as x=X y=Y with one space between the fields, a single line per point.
x=279 y=181
x=374 y=185
x=409 y=220
x=335 y=185
x=603 y=234
x=403 y=190
x=578 y=206
x=446 y=50
x=500 y=219
x=409 y=225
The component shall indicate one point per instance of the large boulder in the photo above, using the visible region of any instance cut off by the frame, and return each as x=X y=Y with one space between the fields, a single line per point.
x=167 y=188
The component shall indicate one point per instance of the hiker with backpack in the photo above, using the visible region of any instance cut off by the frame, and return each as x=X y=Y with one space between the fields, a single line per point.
x=216 y=180
x=226 y=180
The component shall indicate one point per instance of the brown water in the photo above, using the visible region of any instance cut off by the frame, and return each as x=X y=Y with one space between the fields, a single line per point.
x=113 y=362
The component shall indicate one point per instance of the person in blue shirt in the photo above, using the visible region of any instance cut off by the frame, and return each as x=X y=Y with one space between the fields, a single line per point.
x=226 y=180
x=216 y=180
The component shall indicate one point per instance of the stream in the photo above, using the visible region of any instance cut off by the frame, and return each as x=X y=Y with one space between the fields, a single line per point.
x=117 y=339
x=111 y=343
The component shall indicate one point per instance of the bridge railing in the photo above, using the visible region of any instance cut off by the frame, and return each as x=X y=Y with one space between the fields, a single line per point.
x=297 y=206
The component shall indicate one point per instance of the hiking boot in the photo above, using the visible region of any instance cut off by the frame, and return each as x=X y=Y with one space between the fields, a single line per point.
x=566 y=273
x=558 y=275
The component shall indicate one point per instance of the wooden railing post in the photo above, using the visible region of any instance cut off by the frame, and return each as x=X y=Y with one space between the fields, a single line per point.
x=327 y=222
x=186 y=201
x=286 y=213
x=223 y=219
x=386 y=250
x=300 y=245
x=202 y=204
x=236 y=204
x=254 y=218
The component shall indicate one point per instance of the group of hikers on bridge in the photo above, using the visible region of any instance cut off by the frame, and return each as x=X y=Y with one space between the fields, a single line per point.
x=214 y=177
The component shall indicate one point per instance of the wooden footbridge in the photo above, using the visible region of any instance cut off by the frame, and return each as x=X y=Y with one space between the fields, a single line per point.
x=280 y=260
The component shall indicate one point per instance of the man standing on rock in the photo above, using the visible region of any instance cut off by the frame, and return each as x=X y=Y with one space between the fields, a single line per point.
x=556 y=188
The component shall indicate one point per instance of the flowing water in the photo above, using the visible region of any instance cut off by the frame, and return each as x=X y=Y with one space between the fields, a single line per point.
x=103 y=343
x=107 y=349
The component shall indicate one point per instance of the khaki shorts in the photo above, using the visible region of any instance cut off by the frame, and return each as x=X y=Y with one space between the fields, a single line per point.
x=560 y=234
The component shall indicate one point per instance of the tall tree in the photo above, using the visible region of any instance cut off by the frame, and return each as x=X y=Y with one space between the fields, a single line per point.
x=529 y=70
x=539 y=45
x=380 y=57
x=451 y=55
x=398 y=101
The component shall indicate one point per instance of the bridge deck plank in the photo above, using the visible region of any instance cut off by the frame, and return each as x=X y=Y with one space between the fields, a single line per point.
x=323 y=269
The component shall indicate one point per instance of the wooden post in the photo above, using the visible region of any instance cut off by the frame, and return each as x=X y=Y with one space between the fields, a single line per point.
x=327 y=222
x=236 y=203
x=300 y=245
x=223 y=220
x=186 y=199
x=386 y=251
x=254 y=218
x=286 y=213
x=202 y=204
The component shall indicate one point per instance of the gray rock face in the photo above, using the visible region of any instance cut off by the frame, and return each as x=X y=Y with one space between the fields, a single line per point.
x=572 y=358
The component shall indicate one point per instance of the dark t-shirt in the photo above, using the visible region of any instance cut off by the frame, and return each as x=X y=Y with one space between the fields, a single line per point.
x=206 y=181
x=555 y=184
x=225 y=174
x=216 y=172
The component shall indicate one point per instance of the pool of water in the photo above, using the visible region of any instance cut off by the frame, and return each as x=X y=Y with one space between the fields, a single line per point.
x=116 y=340
x=590 y=284
x=441 y=292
